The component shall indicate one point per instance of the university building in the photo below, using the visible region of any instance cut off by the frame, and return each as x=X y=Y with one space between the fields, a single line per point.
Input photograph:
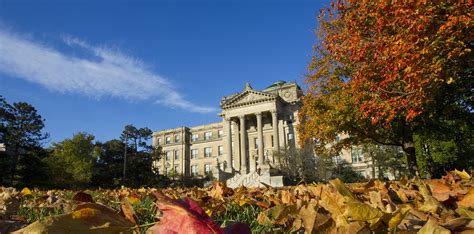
x=255 y=123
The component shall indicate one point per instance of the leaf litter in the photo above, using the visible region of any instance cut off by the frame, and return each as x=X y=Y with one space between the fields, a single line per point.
x=443 y=205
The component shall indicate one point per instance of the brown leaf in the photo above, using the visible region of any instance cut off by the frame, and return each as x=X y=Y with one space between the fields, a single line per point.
x=82 y=197
x=468 y=200
x=456 y=223
x=126 y=210
x=308 y=214
x=334 y=203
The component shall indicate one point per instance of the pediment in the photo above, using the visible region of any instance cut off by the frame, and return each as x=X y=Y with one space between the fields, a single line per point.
x=248 y=97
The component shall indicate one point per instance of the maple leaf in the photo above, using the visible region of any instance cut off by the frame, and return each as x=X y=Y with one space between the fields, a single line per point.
x=185 y=216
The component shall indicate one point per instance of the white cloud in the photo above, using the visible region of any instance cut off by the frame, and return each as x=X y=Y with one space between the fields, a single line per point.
x=109 y=73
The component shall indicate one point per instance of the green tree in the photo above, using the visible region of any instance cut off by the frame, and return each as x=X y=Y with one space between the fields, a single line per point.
x=139 y=157
x=71 y=162
x=21 y=131
x=109 y=164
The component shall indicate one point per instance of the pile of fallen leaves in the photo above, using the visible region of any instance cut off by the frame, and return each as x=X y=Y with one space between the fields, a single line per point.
x=427 y=206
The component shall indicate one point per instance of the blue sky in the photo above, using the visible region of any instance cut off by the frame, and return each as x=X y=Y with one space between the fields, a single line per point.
x=95 y=67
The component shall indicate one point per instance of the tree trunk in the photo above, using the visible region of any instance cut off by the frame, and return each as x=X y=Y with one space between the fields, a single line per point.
x=409 y=148
x=14 y=163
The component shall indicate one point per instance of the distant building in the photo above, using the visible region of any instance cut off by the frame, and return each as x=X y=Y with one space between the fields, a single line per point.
x=254 y=125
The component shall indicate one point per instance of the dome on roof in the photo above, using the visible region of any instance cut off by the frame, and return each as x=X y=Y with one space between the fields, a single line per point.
x=278 y=83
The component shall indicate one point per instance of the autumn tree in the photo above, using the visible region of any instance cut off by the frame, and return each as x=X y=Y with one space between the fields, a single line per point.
x=386 y=71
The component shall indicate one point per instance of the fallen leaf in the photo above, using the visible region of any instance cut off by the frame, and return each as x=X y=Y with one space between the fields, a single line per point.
x=184 y=216
x=82 y=197
x=359 y=211
x=342 y=189
x=87 y=217
x=279 y=214
x=26 y=192
x=465 y=212
x=398 y=216
x=463 y=174
x=432 y=227
x=308 y=214
x=467 y=200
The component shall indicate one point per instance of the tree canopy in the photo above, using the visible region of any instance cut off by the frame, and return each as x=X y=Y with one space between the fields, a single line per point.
x=384 y=71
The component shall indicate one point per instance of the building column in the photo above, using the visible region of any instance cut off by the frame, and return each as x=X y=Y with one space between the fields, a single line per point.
x=260 y=139
x=228 y=144
x=236 y=147
x=276 y=134
x=243 y=152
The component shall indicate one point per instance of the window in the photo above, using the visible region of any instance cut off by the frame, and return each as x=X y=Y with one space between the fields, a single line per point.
x=207 y=135
x=220 y=133
x=160 y=141
x=194 y=170
x=357 y=155
x=256 y=142
x=207 y=152
x=176 y=155
x=168 y=140
x=194 y=137
x=220 y=150
x=207 y=168
x=273 y=143
x=176 y=168
x=194 y=153
x=168 y=155
x=176 y=138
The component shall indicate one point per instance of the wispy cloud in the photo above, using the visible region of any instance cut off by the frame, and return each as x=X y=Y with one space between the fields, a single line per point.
x=107 y=73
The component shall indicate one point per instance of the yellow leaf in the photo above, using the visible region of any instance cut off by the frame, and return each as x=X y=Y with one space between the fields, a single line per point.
x=398 y=216
x=362 y=212
x=465 y=212
x=432 y=227
x=450 y=80
x=278 y=214
x=334 y=203
x=133 y=200
x=463 y=174
x=342 y=189
x=468 y=200
x=430 y=205
x=86 y=218
x=26 y=192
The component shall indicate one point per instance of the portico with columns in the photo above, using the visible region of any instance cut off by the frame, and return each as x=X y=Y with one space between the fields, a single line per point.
x=240 y=148
x=259 y=121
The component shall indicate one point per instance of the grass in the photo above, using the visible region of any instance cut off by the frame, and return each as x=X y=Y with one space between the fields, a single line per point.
x=246 y=214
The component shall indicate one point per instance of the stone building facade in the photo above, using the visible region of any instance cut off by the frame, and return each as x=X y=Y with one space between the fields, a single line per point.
x=254 y=125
